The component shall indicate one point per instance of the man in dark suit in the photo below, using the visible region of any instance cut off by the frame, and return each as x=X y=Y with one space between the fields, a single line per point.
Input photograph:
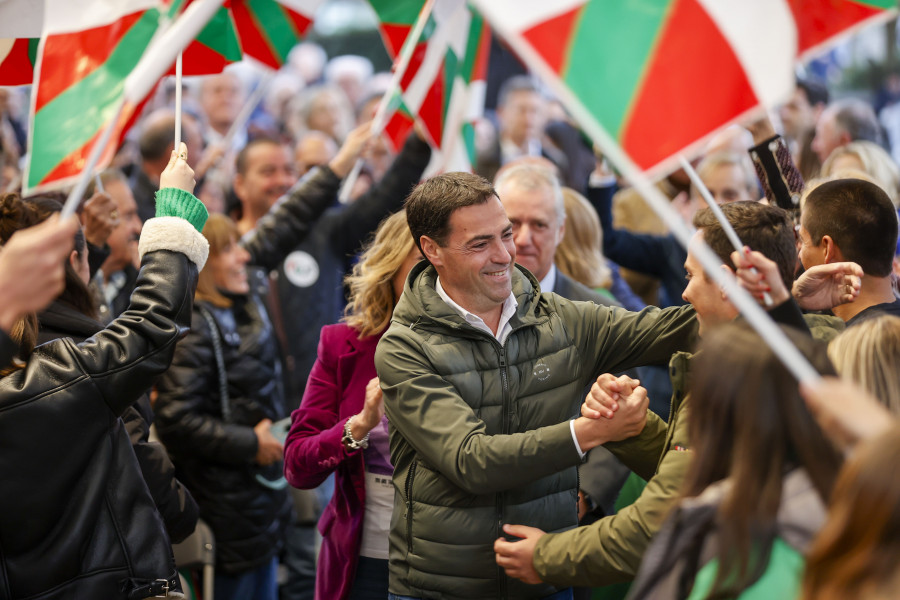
x=531 y=195
x=522 y=117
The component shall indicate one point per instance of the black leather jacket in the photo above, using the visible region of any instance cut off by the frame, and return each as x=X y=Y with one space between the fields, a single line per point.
x=174 y=502
x=76 y=519
x=215 y=457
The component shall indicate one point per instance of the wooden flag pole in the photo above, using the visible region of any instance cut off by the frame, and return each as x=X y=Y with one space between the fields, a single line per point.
x=379 y=121
x=730 y=233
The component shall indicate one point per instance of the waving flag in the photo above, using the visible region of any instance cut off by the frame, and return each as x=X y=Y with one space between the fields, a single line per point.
x=215 y=47
x=265 y=30
x=95 y=65
x=268 y=29
x=87 y=51
x=21 y=22
x=443 y=86
x=17 y=57
x=661 y=75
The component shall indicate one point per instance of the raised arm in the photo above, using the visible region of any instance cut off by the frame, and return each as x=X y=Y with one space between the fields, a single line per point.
x=362 y=217
x=290 y=221
x=124 y=359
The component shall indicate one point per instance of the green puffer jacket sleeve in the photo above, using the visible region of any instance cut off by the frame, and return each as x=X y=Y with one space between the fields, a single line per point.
x=614 y=339
x=610 y=550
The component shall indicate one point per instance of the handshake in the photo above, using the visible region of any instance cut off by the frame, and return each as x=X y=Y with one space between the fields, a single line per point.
x=615 y=409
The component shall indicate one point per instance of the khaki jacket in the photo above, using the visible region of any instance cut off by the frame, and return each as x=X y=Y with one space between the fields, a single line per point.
x=610 y=550
x=479 y=430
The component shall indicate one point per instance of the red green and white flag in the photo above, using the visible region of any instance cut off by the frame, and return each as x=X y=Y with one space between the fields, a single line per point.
x=269 y=29
x=21 y=22
x=443 y=86
x=17 y=57
x=95 y=65
x=659 y=76
x=87 y=51
x=214 y=48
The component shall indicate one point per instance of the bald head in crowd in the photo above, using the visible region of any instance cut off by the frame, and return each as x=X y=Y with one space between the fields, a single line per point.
x=314 y=148
x=158 y=138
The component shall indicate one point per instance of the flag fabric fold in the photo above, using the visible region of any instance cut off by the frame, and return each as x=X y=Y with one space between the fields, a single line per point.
x=97 y=61
x=87 y=51
x=662 y=75
x=443 y=86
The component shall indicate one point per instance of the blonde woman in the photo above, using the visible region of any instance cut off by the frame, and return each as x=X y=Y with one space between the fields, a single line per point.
x=580 y=254
x=869 y=354
x=340 y=426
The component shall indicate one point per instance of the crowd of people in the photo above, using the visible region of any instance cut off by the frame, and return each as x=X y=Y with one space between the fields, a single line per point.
x=511 y=383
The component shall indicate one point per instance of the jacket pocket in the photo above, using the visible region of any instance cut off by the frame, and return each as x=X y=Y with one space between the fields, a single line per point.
x=409 y=505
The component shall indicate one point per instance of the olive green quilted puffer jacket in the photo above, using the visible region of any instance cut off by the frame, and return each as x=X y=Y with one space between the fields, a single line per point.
x=479 y=430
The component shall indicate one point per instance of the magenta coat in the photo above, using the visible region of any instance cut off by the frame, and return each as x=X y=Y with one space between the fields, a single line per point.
x=336 y=391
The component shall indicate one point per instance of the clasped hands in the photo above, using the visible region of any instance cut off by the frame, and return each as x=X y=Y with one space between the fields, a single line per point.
x=615 y=409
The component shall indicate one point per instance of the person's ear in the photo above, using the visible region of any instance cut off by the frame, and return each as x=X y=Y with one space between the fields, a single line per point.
x=74 y=259
x=238 y=186
x=730 y=273
x=832 y=252
x=431 y=251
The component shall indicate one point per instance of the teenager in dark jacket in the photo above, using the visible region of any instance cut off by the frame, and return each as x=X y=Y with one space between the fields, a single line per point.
x=76 y=519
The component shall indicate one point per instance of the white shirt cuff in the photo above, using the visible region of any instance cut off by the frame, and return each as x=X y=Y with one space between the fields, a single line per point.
x=575 y=439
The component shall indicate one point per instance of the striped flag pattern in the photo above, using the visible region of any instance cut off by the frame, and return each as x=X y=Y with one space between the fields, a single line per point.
x=269 y=29
x=443 y=86
x=661 y=75
x=17 y=57
x=87 y=52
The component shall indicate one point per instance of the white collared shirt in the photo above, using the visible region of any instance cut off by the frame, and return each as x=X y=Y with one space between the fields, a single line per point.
x=548 y=283
x=503 y=329
x=510 y=151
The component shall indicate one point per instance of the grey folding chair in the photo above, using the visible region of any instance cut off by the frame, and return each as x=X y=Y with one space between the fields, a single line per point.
x=198 y=551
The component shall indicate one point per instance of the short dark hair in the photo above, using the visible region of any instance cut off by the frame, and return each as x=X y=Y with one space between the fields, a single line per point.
x=764 y=228
x=240 y=163
x=815 y=91
x=860 y=218
x=516 y=83
x=432 y=202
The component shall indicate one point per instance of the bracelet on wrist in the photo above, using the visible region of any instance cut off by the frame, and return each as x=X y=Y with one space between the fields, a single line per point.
x=349 y=441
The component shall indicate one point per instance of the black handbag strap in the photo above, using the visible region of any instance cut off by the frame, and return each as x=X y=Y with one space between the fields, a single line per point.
x=220 y=362
x=277 y=484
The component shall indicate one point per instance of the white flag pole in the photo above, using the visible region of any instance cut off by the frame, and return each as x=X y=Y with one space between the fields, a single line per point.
x=379 y=121
x=240 y=121
x=177 y=103
x=730 y=233
x=155 y=61
x=795 y=362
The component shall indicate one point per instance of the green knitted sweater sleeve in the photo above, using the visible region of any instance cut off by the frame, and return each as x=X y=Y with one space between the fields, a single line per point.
x=174 y=202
